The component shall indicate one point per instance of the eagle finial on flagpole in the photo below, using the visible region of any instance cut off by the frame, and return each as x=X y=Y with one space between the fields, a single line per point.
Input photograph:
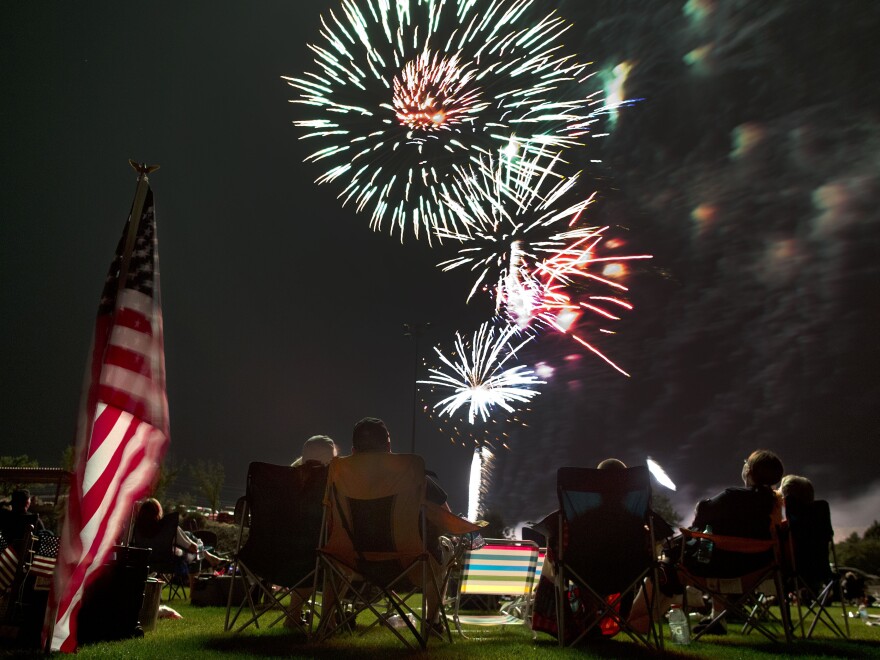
x=142 y=168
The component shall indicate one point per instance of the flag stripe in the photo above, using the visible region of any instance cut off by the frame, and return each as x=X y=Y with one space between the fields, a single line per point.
x=128 y=383
x=136 y=301
x=119 y=399
x=132 y=340
x=126 y=359
x=133 y=320
x=43 y=566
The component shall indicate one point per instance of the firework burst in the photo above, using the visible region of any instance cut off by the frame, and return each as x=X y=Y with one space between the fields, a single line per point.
x=478 y=375
x=527 y=247
x=405 y=90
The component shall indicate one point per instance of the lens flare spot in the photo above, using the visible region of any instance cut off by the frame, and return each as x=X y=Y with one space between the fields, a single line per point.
x=614 y=270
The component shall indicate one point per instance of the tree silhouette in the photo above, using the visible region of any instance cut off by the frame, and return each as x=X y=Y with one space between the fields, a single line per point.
x=209 y=477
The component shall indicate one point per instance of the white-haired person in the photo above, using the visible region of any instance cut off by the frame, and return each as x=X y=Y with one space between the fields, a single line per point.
x=317 y=452
x=317 y=449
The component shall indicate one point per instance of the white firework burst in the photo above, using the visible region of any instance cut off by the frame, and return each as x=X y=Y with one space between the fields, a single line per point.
x=405 y=90
x=479 y=377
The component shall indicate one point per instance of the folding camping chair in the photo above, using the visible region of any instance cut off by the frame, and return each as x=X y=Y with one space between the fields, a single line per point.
x=522 y=606
x=499 y=568
x=375 y=546
x=742 y=595
x=283 y=508
x=809 y=575
x=606 y=547
x=170 y=568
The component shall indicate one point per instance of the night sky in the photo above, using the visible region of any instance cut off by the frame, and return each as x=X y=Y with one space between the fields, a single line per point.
x=749 y=169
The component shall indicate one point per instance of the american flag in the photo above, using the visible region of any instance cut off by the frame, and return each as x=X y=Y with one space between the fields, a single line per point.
x=123 y=430
x=43 y=564
x=8 y=566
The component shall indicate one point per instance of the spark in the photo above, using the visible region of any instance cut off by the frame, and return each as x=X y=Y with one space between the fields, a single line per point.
x=479 y=376
x=403 y=91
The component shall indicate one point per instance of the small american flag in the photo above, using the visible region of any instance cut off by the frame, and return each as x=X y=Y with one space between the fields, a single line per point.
x=123 y=430
x=44 y=559
x=8 y=566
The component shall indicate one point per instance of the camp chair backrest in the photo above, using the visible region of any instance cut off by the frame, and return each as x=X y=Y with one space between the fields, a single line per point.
x=240 y=511
x=161 y=542
x=374 y=501
x=605 y=518
x=500 y=568
x=542 y=556
x=207 y=537
x=285 y=508
x=811 y=535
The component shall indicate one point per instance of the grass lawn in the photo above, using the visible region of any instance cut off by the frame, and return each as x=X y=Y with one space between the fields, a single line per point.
x=200 y=634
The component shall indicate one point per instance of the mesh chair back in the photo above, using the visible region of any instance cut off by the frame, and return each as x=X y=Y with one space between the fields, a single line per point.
x=605 y=516
x=811 y=535
x=207 y=537
x=284 y=504
x=374 y=502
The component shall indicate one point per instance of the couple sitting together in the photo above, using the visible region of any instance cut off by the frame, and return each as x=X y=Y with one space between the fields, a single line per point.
x=751 y=511
x=371 y=519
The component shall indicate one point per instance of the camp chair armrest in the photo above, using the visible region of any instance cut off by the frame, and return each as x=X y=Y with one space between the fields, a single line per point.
x=731 y=543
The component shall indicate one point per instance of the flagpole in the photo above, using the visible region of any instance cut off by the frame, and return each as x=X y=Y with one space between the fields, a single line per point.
x=137 y=211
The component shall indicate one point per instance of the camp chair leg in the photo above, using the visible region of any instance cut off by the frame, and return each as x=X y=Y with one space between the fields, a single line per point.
x=818 y=611
x=397 y=602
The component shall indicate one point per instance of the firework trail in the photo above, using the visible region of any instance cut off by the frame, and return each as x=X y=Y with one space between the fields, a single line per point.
x=528 y=248
x=660 y=474
x=405 y=90
x=479 y=378
x=479 y=481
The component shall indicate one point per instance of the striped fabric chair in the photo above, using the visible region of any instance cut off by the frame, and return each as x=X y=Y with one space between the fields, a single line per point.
x=501 y=568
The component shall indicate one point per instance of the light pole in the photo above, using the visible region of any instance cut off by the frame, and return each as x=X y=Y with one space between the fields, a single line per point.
x=415 y=331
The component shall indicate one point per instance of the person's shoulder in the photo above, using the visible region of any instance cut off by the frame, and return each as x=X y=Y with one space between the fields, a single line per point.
x=733 y=492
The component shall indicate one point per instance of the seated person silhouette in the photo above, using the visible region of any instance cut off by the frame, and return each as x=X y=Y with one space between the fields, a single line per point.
x=149 y=525
x=370 y=435
x=317 y=450
x=748 y=511
x=615 y=520
x=797 y=495
x=811 y=532
x=14 y=521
